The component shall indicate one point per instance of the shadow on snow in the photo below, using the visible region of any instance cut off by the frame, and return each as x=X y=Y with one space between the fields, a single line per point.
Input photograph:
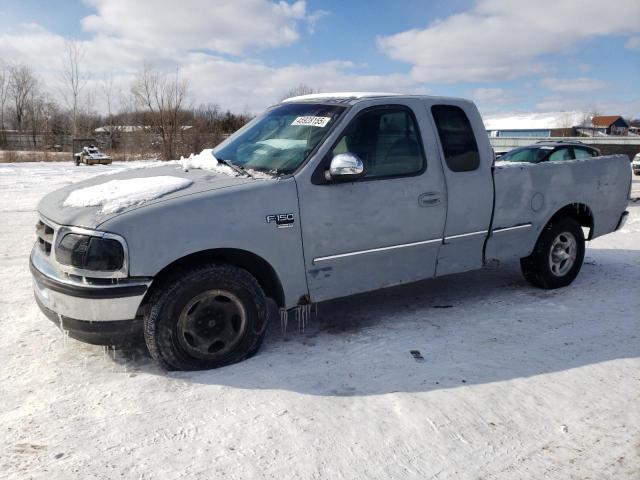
x=473 y=328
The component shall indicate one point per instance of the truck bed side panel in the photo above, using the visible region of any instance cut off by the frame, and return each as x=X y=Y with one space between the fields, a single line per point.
x=528 y=195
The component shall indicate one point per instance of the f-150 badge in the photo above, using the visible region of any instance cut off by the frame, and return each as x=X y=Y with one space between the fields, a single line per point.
x=282 y=220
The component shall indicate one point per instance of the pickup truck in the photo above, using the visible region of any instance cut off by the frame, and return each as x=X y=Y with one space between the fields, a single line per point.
x=320 y=197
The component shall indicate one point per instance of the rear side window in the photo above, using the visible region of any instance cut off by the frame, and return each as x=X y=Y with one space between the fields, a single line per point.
x=580 y=152
x=560 y=155
x=457 y=138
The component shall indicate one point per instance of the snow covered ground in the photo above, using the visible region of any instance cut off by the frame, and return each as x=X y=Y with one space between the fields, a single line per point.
x=515 y=383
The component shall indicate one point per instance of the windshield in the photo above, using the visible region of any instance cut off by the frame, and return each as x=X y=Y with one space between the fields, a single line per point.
x=526 y=154
x=281 y=139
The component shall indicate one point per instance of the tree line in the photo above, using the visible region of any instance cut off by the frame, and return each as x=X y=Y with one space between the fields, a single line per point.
x=156 y=104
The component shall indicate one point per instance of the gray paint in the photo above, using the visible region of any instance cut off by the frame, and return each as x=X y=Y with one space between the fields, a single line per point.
x=470 y=200
x=371 y=214
x=533 y=193
x=363 y=235
x=235 y=217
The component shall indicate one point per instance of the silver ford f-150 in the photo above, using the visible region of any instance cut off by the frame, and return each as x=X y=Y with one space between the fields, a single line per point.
x=322 y=196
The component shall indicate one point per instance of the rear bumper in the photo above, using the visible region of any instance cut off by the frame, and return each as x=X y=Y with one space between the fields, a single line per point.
x=99 y=314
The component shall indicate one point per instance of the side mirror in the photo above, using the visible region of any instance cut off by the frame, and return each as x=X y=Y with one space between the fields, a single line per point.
x=345 y=167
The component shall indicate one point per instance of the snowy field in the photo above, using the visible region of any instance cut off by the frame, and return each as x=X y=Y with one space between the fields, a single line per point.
x=516 y=382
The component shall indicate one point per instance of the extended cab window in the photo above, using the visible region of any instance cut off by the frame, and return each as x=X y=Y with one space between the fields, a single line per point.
x=457 y=138
x=387 y=142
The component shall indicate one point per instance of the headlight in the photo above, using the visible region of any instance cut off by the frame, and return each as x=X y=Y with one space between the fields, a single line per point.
x=90 y=253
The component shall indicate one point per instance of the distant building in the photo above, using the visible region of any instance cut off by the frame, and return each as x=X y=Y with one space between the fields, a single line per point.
x=533 y=125
x=610 y=124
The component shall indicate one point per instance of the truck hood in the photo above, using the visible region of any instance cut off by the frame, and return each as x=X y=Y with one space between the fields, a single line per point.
x=52 y=205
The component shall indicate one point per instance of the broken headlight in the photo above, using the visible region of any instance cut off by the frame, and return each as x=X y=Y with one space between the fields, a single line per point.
x=87 y=252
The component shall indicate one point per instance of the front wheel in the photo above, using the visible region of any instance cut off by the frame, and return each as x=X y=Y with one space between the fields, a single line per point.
x=208 y=317
x=557 y=256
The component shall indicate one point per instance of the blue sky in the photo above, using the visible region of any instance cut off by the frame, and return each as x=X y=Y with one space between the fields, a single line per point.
x=509 y=56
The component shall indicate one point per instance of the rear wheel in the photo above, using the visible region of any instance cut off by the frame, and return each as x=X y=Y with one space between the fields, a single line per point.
x=206 y=318
x=557 y=257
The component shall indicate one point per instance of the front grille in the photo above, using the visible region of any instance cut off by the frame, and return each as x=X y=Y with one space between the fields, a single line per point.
x=44 y=233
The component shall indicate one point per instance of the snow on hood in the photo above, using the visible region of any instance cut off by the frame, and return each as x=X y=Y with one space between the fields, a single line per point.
x=206 y=160
x=54 y=207
x=116 y=195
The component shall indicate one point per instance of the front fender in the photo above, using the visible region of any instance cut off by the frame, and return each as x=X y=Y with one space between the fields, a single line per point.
x=236 y=217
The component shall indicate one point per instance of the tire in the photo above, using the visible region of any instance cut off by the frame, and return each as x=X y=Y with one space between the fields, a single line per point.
x=557 y=256
x=204 y=318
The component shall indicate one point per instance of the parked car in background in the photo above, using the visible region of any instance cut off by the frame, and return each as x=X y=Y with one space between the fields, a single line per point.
x=635 y=164
x=91 y=155
x=546 y=151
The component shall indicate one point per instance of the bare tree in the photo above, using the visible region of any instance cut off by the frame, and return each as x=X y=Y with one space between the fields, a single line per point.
x=35 y=112
x=162 y=95
x=22 y=84
x=300 y=89
x=4 y=93
x=107 y=93
x=73 y=78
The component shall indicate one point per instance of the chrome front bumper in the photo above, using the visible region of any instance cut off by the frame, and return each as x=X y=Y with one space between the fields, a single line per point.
x=82 y=299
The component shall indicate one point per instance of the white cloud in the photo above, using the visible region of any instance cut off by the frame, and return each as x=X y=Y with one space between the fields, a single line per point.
x=236 y=84
x=211 y=43
x=493 y=95
x=607 y=105
x=492 y=100
x=573 y=85
x=226 y=27
x=504 y=39
x=633 y=43
x=247 y=85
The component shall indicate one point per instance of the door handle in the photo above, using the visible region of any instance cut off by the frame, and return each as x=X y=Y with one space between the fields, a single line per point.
x=429 y=199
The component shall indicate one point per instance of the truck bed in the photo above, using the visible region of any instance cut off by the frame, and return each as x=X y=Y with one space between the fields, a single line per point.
x=527 y=195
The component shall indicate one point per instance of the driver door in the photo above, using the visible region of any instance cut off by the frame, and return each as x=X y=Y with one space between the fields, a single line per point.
x=385 y=228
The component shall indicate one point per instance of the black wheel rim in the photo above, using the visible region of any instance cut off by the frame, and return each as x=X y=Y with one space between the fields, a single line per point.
x=212 y=324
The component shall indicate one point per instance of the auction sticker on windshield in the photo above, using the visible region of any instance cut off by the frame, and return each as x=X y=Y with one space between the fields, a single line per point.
x=312 y=121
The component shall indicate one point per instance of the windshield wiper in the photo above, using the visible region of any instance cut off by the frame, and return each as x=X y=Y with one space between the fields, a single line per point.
x=241 y=170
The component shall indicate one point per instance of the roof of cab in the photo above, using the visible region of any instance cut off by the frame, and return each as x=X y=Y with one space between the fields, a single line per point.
x=353 y=97
x=339 y=96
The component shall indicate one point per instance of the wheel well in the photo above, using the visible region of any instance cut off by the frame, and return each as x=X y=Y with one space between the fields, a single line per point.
x=262 y=271
x=579 y=212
